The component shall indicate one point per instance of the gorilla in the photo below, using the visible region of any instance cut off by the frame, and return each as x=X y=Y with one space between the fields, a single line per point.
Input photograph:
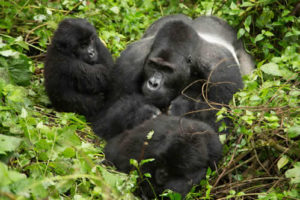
x=126 y=113
x=201 y=57
x=77 y=68
x=182 y=149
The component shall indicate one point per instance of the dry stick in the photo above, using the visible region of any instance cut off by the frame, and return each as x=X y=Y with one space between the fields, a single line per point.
x=255 y=153
x=32 y=30
x=78 y=4
x=230 y=162
x=241 y=183
x=239 y=165
x=8 y=195
x=204 y=91
x=207 y=83
x=241 y=195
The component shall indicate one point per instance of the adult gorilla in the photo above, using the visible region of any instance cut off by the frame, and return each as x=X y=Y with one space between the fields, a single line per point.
x=77 y=68
x=176 y=52
x=182 y=149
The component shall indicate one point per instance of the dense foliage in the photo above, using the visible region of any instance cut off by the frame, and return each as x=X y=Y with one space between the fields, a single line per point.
x=46 y=154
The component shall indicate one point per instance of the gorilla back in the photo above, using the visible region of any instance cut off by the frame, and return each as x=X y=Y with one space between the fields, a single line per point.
x=77 y=68
x=182 y=149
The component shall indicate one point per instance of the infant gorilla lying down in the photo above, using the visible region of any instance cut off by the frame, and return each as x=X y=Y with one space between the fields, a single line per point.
x=182 y=149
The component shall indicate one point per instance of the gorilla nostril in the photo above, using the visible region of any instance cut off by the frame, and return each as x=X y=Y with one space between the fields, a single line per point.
x=91 y=54
x=153 y=85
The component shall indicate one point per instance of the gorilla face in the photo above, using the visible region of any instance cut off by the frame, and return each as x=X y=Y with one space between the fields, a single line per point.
x=79 y=38
x=86 y=50
x=165 y=74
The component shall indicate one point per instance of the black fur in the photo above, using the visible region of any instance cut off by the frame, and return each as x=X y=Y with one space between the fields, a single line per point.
x=124 y=114
x=183 y=149
x=171 y=55
x=77 y=68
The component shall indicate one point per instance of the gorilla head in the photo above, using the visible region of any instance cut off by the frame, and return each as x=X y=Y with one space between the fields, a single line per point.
x=182 y=149
x=168 y=66
x=82 y=44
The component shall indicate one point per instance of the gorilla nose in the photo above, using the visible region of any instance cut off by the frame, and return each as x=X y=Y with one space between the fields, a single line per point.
x=91 y=52
x=153 y=83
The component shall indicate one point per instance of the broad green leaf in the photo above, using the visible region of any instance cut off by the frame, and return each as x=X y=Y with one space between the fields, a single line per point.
x=9 y=176
x=19 y=70
x=294 y=174
x=282 y=162
x=240 y=33
x=115 y=10
x=271 y=68
x=9 y=53
x=69 y=152
x=8 y=143
x=259 y=37
x=293 y=131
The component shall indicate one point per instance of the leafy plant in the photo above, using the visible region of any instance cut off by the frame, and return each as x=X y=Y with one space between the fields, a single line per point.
x=46 y=154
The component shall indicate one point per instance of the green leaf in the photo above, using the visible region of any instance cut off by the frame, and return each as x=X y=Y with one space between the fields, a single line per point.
x=268 y=33
x=19 y=70
x=222 y=138
x=246 y=4
x=271 y=68
x=9 y=53
x=294 y=174
x=293 y=131
x=8 y=143
x=240 y=33
x=69 y=152
x=146 y=161
x=282 y=162
x=134 y=163
x=9 y=176
x=115 y=10
x=149 y=135
x=259 y=37
x=247 y=23
x=148 y=175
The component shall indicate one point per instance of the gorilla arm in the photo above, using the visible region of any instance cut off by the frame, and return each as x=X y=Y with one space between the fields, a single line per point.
x=89 y=79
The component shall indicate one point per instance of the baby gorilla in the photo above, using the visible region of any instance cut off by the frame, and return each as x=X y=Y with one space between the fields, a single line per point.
x=183 y=149
x=124 y=114
x=77 y=68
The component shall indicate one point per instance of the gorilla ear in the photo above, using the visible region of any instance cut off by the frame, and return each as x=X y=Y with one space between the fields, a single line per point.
x=161 y=62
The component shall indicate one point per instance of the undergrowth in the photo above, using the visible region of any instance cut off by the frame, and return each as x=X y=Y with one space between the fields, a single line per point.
x=49 y=155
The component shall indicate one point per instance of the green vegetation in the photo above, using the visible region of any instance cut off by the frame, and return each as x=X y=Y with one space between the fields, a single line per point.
x=46 y=154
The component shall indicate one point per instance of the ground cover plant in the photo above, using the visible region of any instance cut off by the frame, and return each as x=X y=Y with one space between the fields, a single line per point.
x=47 y=154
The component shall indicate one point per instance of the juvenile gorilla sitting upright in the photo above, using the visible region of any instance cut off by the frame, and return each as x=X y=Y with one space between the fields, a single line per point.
x=176 y=52
x=77 y=68
x=182 y=149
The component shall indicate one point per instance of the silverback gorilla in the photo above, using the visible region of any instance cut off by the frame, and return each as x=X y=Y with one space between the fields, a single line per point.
x=202 y=57
x=77 y=68
x=182 y=149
